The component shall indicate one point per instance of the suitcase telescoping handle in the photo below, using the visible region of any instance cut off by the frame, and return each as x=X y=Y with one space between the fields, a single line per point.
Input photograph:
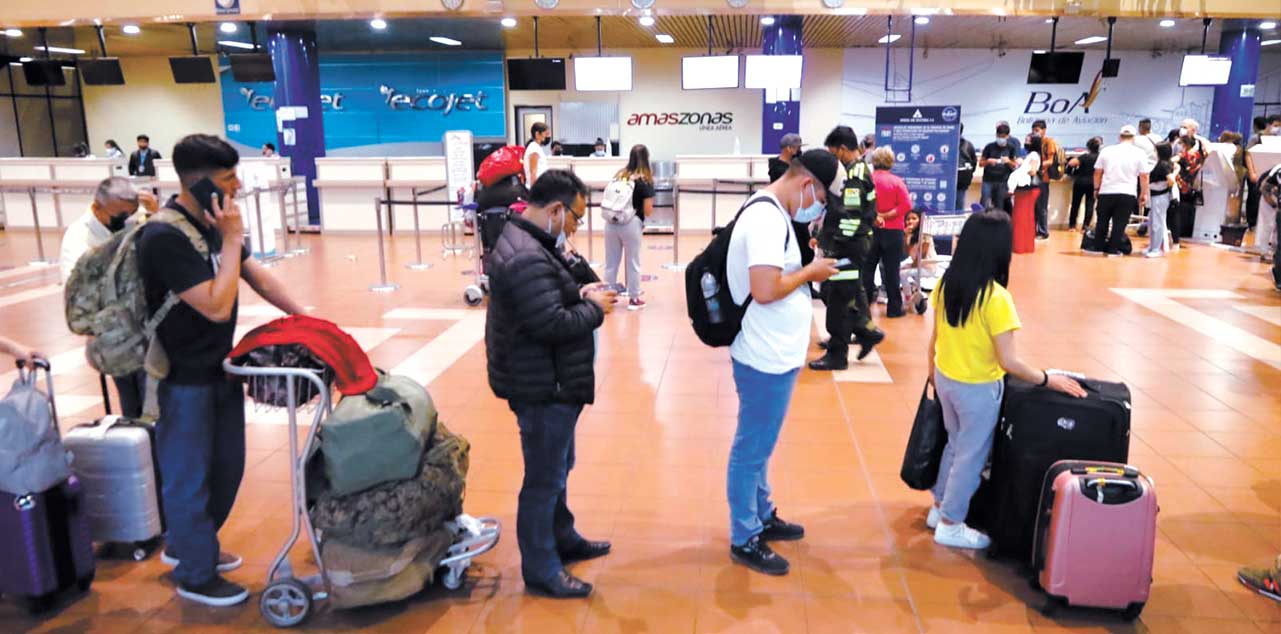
x=29 y=375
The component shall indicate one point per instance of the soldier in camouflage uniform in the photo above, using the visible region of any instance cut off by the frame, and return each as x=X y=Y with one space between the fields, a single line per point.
x=846 y=233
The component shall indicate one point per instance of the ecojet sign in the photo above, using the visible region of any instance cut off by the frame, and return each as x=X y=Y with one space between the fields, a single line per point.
x=703 y=121
x=427 y=99
x=258 y=101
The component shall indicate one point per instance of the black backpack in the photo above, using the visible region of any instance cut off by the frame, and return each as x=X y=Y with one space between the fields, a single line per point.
x=717 y=319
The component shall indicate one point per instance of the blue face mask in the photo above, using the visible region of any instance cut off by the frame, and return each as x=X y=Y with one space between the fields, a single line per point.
x=560 y=237
x=812 y=212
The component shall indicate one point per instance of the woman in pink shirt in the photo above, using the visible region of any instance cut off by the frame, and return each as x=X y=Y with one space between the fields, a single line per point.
x=892 y=205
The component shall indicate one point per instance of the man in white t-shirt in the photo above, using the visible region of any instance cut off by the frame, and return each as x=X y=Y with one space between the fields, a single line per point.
x=764 y=263
x=115 y=202
x=1120 y=170
x=535 y=160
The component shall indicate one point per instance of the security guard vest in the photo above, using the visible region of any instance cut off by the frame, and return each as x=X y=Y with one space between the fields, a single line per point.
x=854 y=217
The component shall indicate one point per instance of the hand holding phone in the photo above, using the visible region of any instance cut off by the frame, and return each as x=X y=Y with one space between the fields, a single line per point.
x=227 y=219
x=843 y=263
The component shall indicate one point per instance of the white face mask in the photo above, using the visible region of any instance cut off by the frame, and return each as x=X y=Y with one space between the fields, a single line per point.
x=1184 y=132
x=560 y=236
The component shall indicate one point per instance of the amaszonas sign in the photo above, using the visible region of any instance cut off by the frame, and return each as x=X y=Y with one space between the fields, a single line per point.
x=710 y=121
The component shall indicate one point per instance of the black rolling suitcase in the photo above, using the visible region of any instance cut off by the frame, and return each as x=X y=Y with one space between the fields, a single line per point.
x=1039 y=427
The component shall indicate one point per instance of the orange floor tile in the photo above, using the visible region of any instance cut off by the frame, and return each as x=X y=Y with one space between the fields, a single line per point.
x=1196 y=336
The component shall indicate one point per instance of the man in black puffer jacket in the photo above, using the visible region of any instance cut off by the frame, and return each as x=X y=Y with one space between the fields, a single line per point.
x=538 y=339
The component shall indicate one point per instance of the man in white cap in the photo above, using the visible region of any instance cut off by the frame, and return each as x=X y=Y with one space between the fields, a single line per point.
x=1120 y=171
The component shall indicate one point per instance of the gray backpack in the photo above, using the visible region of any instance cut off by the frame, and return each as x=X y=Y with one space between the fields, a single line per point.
x=32 y=458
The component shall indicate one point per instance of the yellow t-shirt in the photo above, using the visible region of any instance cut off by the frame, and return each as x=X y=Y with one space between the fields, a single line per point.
x=968 y=354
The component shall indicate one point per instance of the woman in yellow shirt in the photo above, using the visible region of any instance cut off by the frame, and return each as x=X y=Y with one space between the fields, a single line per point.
x=970 y=352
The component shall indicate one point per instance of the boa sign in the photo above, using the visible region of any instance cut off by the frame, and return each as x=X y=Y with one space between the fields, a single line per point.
x=991 y=88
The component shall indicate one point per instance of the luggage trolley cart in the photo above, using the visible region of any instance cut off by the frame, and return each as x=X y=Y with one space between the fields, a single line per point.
x=288 y=600
x=486 y=224
x=932 y=225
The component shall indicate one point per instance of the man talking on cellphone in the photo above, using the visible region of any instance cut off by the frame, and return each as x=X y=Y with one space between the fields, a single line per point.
x=192 y=258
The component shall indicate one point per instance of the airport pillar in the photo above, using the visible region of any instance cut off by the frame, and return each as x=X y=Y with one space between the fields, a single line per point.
x=300 y=130
x=781 y=109
x=1234 y=102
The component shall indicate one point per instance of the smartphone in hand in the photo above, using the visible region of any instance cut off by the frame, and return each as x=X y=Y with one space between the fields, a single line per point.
x=205 y=190
x=843 y=263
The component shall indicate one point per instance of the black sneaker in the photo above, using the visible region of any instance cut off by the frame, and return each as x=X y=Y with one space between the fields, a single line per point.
x=758 y=556
x=828 y=363
x=562 y=586
x=584 y=551
x=217 y=592
x=867 y=343
x=779 y=530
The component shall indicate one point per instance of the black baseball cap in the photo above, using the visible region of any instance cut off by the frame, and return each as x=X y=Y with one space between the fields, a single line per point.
x=822 y=164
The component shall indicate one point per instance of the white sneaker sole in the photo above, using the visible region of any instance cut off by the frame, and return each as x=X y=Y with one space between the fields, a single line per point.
x=227 y=567
x=961 y=543
x=215 y=602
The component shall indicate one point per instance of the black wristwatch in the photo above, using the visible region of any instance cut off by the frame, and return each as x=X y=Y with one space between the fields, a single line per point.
x=1045 y=381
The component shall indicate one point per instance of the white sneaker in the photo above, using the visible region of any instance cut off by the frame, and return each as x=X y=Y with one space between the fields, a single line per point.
x=1153 y=254
x=932 y=520
x=960 y=536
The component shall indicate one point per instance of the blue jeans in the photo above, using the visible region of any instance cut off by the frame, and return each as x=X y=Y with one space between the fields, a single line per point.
x=1158 y=207
x=544 y=525
x=200 y=441
x=970 y=412
x=762 y=404
x=995 y=194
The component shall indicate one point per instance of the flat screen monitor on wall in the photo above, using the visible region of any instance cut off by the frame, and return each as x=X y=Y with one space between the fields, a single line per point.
x=776 y=72
x=43 y=72
x=597 y=74
x=192 y=70
x=1205 y=70
x=715 y=71
x=547 y=73
x=1056 y=68
x=104 y=71
x=251 y=67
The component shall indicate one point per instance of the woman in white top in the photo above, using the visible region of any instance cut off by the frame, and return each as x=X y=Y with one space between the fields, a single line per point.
x=535 y=160
x=113 y=149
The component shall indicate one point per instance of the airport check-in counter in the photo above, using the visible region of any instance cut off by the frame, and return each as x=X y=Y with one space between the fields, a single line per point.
x=348 y=188
x=424 y=175
x=1057 y=209
x=733 y=173
x=64 y=188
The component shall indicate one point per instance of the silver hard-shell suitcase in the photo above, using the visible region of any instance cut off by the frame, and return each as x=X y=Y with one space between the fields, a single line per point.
x=115 y=463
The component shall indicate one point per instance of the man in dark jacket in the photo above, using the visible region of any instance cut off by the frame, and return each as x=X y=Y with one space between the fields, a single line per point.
x=966 y=161
x=143 y=160
x=538 y=339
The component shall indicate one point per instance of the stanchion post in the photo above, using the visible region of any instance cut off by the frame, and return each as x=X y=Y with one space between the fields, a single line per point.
x=382 y=286
x=591 y=248
x=35 y=222
x=715 y=186
x=284 y=224
x=293 y=189
x=418 y=264
x=675 y=264
x=262 y=233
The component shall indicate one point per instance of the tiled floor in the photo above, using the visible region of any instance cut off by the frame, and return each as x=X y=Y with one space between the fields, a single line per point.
x=1203 y=367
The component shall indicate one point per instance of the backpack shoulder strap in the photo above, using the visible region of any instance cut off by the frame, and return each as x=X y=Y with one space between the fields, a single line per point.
x=178 y=221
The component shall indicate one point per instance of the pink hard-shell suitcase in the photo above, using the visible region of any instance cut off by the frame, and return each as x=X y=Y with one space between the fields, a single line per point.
x=1095 y=537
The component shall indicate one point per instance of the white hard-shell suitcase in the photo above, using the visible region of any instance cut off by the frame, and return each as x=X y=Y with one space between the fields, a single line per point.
x=114 y=461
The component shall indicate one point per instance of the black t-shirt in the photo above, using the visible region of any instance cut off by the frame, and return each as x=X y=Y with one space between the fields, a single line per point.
x=642 y=191
x=998 y=173
x=1158 y=176
x=169 y=262
x=1083 y=174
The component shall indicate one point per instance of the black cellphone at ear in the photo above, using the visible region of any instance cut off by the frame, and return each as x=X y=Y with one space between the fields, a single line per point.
x=204 y=190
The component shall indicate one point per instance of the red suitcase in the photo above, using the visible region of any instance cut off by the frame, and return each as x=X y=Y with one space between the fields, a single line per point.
x=1095 y=537
x=45 y=547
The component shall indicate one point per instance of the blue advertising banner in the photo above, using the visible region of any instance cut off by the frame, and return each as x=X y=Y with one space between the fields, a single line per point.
x=924 y=140
x=382 y=103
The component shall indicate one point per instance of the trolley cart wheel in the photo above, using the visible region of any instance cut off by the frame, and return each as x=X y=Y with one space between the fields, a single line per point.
x=1052 y=605
x=921 y=305
x=139 y=552
x=473 y=295
x=285 y=603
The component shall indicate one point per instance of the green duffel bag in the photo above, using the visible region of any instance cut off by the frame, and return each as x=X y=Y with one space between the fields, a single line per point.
x=378 y=436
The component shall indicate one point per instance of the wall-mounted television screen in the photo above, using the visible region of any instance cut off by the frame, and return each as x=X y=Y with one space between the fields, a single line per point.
x=707 y=72
x=546 y=73
x=776 y=72
x=251 y=67
x=43 y=72
x=597 y=74
x=1205 y=70
x=104 y=71
x=1056 y=68
x=192 y=70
